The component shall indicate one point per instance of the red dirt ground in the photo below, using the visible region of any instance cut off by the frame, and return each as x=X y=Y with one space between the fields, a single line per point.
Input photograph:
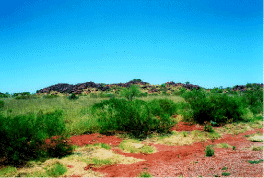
x=173 y=161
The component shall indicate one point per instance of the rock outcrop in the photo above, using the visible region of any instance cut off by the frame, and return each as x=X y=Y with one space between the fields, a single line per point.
x=80 y=87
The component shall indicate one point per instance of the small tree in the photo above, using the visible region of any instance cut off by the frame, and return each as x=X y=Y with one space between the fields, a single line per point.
x=131 y=92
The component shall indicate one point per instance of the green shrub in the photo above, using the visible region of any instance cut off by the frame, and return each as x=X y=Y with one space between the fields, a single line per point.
x=131 y=92
x=108 y=95
x=2 y=104
x=154 y=94
x=56 y=170
x=73 y=96
x=50 y=96
x=208 y=128
x=200 y=105
x=132 y=116
x=209 y=151
x=22 y=97
x=216 y=90
x=182 y=90
x=218 y=108
x=93 y=95
x=226 y=173
x=144 y=174
x=143 y=94
x=225 y=107
x=4 y=95
x=163 y=106
x=256 y=161
x=254 y=99
x=30 y=131
x=8 y=171
x=165 y=93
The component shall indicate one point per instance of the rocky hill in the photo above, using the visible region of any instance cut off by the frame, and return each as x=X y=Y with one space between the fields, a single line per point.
x=79 y=88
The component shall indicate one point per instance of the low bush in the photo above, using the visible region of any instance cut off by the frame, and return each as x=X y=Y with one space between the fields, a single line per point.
x=163 y=106
x=131 y=92
x=4 y=95
x=2 y=104
x=143 y=94
x=73 y=96
x=254 y=99
x=209 y=151
x=208 y=128
x=56 y=170
x=255 y=161
x=24 y=142
x=50 y=96
x=216 y=107
x=132 y=116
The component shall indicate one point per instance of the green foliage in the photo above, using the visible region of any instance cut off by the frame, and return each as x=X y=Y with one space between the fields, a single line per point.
x=208 y=128
x=4 y=95
x=215 y=107
x=73 y=96
x=136 y=80
x=254 y=99
x=182 y=90
x=107 y=95
x=209 y=151
x=131 y=92
x=256 y=161
x=30 y=131
x=2 y=104
x=145 y=174
x=163 y=85
x=143 y=94
x=93 y=95
x=50 y=96
x=165 y=93
x=226 y=173
x=217 y=90
x=15 y=94
x=132 y=116
x=8 y=171
x=163 y=106
x=56 y=170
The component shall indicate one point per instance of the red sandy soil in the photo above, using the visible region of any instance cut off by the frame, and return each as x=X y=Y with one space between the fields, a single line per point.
x=190 y=160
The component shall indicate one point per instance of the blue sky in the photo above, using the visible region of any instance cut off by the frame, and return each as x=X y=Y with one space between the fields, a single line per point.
x=210 y=43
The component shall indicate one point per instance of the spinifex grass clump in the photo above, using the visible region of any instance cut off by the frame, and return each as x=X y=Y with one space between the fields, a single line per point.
x=132 y=116
x=216 y=107
x=23 y=135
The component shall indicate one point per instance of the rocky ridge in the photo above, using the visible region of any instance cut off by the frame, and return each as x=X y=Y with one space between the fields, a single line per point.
x=79 y=88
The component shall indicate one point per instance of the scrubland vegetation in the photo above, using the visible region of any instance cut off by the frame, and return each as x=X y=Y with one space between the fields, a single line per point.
x=26 y=120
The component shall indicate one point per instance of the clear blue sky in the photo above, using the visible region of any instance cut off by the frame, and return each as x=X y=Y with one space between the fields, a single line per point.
x=210 y=43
